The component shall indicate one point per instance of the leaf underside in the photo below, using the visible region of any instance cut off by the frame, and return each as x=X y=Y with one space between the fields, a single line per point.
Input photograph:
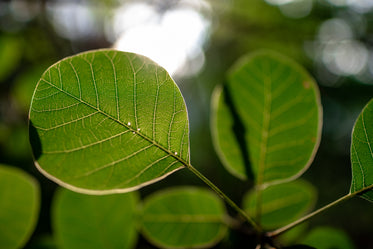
x=362 y=153
x=107 y=121
x=95 y=222
x=183 y=217
x=272 y=107
x=19 y=207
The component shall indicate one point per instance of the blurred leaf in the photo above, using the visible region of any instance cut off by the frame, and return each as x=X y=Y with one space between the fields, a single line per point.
x=183 y=218
x=278 y=104
x=95 y=222
x=19 y=207
x=328 y=238
x=362 y=153
x=107 y=121
x=282 y=203
x=10 y=55
x=291 y=236
x=24 y=86
x=15 y=141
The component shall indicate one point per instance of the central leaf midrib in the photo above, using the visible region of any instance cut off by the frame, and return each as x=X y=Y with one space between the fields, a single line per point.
x=265 y=130
x=121 y=123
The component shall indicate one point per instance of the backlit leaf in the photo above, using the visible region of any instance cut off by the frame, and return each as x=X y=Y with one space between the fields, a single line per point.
x=277 y=105
x=19 y=207
x=183 y=218
x=95 y=222
x=362 y=153
x=281 y=203
x=107 y=121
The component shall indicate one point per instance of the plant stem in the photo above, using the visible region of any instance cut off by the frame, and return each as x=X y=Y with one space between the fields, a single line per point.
x=305 y=218
x=225 y=198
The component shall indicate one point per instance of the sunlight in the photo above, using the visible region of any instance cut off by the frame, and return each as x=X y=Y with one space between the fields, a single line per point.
x=173 y=38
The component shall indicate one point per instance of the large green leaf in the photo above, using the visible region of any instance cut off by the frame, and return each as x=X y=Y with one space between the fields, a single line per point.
x=362 y=153
x=183 y=218
x=95 y=222
x=19 y=207
x=276 y=105
x=281 y=203
x=108 y=121
x=328 y=238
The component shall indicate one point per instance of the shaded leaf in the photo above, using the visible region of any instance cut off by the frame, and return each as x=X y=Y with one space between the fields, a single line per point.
x=328 y=238
x=279 y=106
x=19 y=207
x=282 y=203
x=95 y=222
x=226 y=133
x=183 y=218
x=362 y=153
x=107 y=121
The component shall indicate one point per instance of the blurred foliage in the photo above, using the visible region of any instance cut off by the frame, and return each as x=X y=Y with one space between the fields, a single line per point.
x=30 y=41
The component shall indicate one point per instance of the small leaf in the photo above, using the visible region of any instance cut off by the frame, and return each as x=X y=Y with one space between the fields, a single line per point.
x=362 y=153
x=282 y=203
x=278 y=105
x=19 y=207
x=328 y=238
x=183 y=218
x=107 y=121
x=95 y=222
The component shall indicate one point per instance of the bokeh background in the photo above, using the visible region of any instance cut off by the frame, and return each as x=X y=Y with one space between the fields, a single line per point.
x=197 y=41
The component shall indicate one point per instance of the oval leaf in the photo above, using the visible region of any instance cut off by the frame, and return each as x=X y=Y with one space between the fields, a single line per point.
x=328 y=238
x=96 y=222
x=183 y=218
x=108 y=121
x=282 y=203
x=19 y=207
x=278 y=104
x=362 y=153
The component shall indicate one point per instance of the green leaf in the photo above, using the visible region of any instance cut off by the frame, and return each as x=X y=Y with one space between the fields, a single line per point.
x=183 y=218
x=362 y=153
x=226 y=130
x=95 y=222
x=282 y=203
x=328 y=238
x=10 y=55
x=107 y=121
x=277 y=105
x=19 y=207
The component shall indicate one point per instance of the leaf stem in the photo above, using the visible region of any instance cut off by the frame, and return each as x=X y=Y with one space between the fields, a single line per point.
x=307 y=217
x=225 y=198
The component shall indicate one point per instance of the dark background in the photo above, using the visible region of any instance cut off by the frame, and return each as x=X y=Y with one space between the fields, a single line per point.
x=333 y=39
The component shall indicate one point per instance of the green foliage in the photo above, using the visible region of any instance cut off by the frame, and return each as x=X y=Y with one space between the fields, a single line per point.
x=97 y=222
x=19 y=207
x=10 y=55
x=108 y=122
x=276 y=106
x=282 y=203
x=183 y=218
x=105 y=122
x=328 y=238
x=362 y=153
